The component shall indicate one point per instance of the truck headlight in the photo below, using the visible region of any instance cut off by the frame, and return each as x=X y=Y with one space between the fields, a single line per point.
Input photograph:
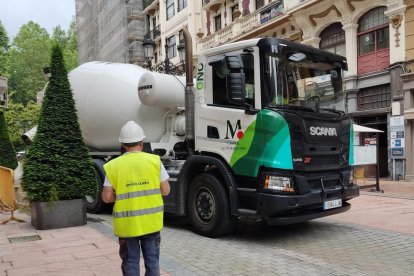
x=279 y=183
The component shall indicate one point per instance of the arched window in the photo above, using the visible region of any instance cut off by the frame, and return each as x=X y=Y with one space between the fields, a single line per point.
x=333 y=39
x=373 y=41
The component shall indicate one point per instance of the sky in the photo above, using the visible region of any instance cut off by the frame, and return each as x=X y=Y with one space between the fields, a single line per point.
x=47 y=13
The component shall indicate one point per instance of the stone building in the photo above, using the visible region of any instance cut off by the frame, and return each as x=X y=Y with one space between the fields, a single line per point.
x=110 y=31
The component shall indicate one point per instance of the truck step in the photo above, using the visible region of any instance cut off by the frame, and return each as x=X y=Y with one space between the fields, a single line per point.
x=247 y=212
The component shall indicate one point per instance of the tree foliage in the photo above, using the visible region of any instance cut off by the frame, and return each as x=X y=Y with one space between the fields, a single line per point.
x=4 y=46
x=69 y=44
x=20 y=119
x=7 y=153
x=22 y=63
x=29 y=54
x=58 y=165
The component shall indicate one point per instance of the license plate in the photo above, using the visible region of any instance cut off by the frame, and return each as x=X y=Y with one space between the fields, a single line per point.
x=330 y=204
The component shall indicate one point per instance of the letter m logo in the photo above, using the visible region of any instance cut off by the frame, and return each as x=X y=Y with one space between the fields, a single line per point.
x=232 y=131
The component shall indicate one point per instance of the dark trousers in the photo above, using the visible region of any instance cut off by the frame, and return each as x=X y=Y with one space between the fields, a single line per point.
x=130 y=249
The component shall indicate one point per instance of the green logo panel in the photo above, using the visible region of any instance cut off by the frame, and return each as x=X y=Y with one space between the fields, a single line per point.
x=266 y=142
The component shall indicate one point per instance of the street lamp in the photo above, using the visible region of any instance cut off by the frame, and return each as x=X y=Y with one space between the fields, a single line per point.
x=168 y=68
x=181 y=52
x=149 y=46
x=167 y=60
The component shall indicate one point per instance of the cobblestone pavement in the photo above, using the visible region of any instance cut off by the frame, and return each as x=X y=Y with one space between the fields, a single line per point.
x=321 y=247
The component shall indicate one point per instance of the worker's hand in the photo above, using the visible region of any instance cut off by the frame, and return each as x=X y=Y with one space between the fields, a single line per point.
x=165 y=188
x=108 y=195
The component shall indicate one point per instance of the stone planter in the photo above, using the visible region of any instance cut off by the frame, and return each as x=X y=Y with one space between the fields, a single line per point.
x=58 y=214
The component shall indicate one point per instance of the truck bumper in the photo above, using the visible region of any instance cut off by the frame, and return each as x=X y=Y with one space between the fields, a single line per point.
x=287 y=209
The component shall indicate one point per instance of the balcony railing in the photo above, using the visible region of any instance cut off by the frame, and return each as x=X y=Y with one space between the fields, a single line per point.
x=154 y=33
x=244 y=24
x=235 y=29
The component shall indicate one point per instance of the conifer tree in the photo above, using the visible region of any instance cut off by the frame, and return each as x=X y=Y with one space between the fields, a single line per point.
x=58 y=166
x=7 y=153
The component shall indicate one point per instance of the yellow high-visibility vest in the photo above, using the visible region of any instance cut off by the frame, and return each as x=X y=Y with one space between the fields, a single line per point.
x=139 y=206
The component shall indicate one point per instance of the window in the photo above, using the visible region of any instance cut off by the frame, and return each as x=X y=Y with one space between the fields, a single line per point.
x=172 y=49
x=374 y=97
x=373 y=41
x=217 y=23
x=170 y=9
x=219 y=73
x=373 y=32
x=154 y=22
x=333 y=39
x=221 y=90
x=259 y=4
x=182 y=4
x=235 y=12
x=248 y=64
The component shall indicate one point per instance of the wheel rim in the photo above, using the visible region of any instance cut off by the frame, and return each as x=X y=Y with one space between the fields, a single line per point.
x=205 y=205
x=90 y=199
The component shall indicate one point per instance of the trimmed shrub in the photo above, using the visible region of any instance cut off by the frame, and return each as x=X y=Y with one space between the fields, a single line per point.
x=58 y=166
x=7 y=153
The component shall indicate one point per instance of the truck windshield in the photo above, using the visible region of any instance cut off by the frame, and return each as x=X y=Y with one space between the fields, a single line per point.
x=296 y=79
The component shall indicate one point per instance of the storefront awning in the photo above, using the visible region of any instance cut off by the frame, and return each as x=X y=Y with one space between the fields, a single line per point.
x=359 y=128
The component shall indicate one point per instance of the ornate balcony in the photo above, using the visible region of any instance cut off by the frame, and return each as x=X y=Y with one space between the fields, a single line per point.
x=212 y=5
x=154 y=34
x=150 y=6
x=232 y=31
x=244 y=25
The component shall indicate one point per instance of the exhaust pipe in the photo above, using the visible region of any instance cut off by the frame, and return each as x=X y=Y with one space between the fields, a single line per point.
x=189 y=91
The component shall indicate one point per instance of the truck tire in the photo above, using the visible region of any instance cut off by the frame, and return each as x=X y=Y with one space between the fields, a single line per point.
x=94 y=203
x=208 y=206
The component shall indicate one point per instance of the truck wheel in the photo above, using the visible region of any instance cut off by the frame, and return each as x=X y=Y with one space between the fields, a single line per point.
x=94 y=203
x=208 y=206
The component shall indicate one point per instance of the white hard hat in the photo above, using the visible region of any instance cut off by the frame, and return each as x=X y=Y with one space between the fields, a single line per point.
x=131 y=132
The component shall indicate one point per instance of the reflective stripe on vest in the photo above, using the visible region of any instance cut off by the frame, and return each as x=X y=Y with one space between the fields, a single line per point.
x=138 y=212
x=138 y=208
x=137 y=194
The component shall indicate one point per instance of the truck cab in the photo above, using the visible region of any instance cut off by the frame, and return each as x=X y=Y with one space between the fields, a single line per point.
x=271 y=128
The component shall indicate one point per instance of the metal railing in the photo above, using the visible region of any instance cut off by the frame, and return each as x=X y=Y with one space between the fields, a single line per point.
x=154 y=33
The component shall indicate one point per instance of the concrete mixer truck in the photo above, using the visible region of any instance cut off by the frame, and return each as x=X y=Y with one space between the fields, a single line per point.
x=271 y=139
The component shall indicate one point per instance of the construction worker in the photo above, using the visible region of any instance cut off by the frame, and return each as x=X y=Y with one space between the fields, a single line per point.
x=136 y=182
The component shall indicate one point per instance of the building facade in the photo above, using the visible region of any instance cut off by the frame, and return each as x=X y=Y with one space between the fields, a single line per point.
x=372 y=35
x=110 y=31
x=377 y=37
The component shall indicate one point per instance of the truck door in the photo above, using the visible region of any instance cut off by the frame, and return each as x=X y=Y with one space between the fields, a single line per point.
x=231 y=95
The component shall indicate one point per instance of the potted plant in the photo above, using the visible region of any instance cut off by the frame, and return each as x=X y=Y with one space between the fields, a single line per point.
x=58 y=172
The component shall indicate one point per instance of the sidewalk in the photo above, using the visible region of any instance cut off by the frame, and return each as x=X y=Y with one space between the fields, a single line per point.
x=86 y=251
x=68 y=251
x=388 y=188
